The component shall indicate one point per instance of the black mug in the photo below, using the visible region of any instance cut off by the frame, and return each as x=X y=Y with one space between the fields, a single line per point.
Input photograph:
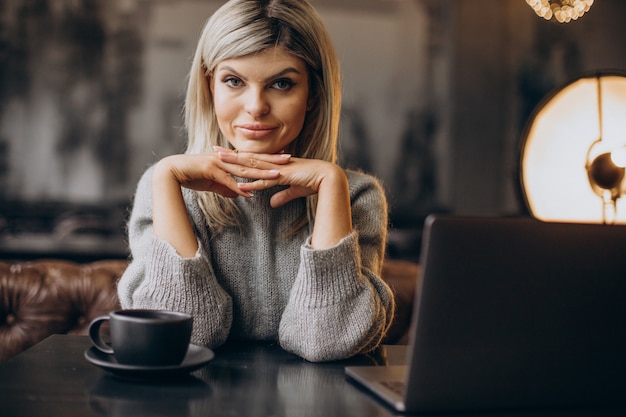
x=144 y=337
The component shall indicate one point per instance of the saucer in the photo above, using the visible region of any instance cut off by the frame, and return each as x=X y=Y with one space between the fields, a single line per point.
x=196 y=358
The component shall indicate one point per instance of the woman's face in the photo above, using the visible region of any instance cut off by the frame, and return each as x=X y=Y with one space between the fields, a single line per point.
x=261 y=99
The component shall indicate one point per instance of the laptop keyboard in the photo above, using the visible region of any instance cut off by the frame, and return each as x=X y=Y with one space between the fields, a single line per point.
x=396 y=386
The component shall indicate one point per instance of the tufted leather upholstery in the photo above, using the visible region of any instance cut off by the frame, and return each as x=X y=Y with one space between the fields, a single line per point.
x=41 y=298
x=402 y=277
x=45 y=297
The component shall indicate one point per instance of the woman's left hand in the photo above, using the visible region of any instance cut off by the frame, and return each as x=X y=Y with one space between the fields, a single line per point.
x=304 y=177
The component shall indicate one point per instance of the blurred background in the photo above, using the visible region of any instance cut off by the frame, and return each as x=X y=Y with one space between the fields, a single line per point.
x=436 y=96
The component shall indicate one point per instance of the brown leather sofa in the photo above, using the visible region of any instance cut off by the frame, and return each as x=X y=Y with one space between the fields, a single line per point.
x=45 y=297
x=41 y=298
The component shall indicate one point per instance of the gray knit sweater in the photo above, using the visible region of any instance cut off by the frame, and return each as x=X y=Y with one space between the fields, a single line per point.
x=254 y=283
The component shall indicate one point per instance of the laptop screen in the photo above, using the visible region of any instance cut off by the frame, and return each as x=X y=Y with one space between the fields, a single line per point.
x=518 y=312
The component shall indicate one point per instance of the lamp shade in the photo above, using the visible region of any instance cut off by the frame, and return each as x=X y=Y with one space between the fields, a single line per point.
x=569 y=157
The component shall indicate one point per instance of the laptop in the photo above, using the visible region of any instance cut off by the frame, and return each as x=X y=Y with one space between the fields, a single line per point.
x=512 y=313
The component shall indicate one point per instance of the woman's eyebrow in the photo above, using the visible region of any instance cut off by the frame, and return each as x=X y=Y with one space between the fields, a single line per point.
x=281 y=73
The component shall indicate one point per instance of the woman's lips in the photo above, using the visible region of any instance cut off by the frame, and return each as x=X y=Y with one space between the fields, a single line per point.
x=256 y=131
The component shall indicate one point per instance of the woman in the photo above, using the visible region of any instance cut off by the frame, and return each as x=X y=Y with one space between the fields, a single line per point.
x=255 y=230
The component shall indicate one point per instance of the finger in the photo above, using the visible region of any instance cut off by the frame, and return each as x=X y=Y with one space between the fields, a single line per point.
x=283 y=197
x=228 y=187
x=251 y=159
x=261 y=184
x=246 y=171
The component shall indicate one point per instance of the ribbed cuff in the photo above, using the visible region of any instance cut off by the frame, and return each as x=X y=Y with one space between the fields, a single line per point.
x=328 y=276
x=178 y=281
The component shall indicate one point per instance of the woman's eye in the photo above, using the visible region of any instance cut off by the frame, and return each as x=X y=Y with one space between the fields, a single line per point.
x=283 y=84
x=233 y=81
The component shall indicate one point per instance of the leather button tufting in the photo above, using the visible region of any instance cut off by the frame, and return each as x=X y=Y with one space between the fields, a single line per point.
x=46 y=296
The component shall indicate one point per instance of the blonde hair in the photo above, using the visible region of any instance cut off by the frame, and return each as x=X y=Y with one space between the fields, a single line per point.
x=243 y=27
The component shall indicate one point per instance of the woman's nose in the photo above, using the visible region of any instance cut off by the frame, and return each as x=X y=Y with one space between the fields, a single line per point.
x=256 y=103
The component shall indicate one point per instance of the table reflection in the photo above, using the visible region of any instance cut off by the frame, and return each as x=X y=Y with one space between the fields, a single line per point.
x=262 y=381
x=113 y=396
x=54 y=378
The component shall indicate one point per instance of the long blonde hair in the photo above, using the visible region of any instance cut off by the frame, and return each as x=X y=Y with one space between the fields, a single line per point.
x=243 y=27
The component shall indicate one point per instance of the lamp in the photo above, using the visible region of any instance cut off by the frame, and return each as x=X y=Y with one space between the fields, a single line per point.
x=563 y=11
x=573 y=152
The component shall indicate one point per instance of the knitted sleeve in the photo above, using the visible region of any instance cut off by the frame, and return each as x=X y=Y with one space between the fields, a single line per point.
x=158 y=278
x=339 y=306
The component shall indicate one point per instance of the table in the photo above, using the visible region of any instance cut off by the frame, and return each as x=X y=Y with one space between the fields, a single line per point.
x=253 y=380
x=54 y=379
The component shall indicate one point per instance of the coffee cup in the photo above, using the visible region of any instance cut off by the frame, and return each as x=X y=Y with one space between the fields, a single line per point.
x=144 y=337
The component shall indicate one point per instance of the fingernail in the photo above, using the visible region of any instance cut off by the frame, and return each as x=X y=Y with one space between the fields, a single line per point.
x=274 y=171
x=285 y=155
x=218 y=148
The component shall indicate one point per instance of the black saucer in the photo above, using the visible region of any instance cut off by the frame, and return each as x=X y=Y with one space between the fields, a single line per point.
x=196 y=358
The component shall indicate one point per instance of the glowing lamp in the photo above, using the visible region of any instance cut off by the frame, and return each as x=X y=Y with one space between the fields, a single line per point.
x=573 y=152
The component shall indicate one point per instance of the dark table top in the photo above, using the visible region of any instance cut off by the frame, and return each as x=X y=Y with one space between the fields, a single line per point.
x=54 y=379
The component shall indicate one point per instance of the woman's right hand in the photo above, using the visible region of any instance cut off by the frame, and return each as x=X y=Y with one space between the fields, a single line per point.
x=201 y=172
x=207 y=172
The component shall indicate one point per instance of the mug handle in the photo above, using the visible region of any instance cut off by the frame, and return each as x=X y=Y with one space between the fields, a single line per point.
x=96 y=338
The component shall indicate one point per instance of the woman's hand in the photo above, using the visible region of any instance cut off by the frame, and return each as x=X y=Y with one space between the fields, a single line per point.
x=304 y=177
x=207 y=172
x=202 y=172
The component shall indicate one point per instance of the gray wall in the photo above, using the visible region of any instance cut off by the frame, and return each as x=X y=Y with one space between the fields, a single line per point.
x=436 y=95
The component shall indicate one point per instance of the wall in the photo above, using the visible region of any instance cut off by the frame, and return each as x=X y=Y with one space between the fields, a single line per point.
x=436 y=94
x=506 y=60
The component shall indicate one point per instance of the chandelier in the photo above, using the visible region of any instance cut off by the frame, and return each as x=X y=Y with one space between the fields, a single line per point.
x=562 y=11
